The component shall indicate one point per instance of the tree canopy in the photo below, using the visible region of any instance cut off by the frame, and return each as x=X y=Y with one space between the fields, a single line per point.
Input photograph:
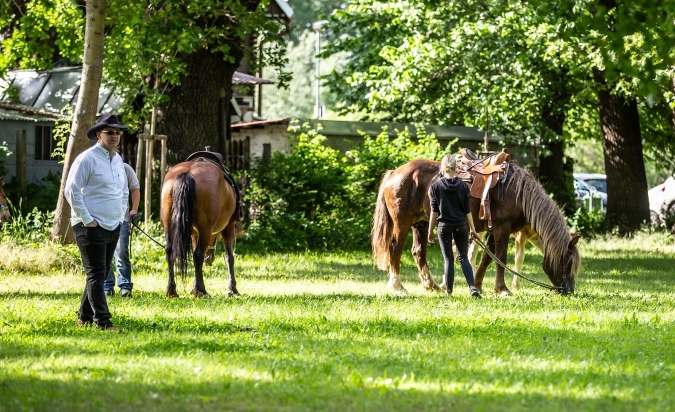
x=528 y=71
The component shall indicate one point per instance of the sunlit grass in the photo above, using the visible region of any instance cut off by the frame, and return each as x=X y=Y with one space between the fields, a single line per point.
x=317 y=331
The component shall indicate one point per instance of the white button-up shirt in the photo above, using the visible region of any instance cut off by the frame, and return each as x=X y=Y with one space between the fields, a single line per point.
x=96 y=188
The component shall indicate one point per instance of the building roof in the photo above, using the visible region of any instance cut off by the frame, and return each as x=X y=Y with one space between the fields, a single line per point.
x=52 y=90
x=256 y=124
x=248 y=79
x=346 y=128
x=285 y=8
x=352 y=128
x=20 y=113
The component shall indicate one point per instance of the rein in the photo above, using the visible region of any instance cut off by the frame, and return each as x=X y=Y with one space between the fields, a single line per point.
x=135 y=225
x=146 y=235
x=500 y=263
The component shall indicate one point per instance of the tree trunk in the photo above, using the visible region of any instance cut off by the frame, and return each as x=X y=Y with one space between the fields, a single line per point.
x=627 y=200
x=193 y=118
x=554 y=173
x=85 y=110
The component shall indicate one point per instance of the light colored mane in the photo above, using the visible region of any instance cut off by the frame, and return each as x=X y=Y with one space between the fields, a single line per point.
x=545 y=217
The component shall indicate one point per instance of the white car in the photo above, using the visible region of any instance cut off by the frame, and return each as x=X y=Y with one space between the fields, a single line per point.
x=583 y=190
x=596 y=180
x=662 y=201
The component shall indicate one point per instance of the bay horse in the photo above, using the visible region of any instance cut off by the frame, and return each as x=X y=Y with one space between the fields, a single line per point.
x=5 y=216
x=197 y=202
x=517 y=201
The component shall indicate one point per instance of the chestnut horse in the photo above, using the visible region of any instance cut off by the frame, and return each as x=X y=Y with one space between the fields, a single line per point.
x=517 y=201
x=5 y=216
x=197 y=201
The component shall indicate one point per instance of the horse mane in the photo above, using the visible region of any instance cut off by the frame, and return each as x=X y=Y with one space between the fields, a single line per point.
x=546 y=218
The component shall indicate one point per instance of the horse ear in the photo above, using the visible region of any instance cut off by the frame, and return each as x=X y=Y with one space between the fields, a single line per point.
x=575 y=238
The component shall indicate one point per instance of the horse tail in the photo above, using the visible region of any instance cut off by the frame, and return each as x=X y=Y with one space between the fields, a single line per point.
x=382 y=230
x=183 y=195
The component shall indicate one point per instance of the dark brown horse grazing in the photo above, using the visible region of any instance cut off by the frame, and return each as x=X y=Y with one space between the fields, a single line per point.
x=5 y=216
x=519 y=200
x=197 y=200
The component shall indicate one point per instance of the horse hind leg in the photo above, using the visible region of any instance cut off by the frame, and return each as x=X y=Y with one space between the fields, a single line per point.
x=199 y=289
x=419 y=252
x=396 y=247
x=171 y=285
x=228 y=236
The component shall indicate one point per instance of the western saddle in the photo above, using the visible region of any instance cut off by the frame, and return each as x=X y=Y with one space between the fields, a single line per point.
x=217 y=159
x=482 y=175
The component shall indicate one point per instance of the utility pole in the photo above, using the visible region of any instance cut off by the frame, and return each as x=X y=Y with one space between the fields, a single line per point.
x=318 y=108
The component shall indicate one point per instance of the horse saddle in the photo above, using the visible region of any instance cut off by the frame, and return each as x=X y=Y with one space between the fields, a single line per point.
x=217 y=159
x=482 y=174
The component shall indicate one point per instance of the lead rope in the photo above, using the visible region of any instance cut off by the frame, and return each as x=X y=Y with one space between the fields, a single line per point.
x=500 y=263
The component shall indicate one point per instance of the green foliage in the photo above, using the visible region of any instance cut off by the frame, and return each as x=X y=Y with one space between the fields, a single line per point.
x=40 y=196
x=61 y=133
x=317 y=198
x=33 y=227
x=587 y=223
x=146 y=44
x=4 y=152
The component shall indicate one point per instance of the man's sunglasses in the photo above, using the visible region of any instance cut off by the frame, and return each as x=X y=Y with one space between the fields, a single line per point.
x=112 y=132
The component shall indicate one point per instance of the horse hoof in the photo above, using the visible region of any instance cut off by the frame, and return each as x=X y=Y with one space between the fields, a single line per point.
x=233 y=293
x=505 y=293
x=400 y=290
x=434 y=288
x=199 y=294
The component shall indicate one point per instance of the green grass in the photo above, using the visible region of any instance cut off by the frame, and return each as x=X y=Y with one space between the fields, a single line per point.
x=317 y=331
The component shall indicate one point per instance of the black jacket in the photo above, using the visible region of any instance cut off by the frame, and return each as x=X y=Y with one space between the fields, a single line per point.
x=450 y=199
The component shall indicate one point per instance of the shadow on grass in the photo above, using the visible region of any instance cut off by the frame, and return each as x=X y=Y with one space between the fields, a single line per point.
x=381 y=364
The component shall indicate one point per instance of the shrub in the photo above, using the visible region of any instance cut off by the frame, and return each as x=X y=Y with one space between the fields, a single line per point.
x=588 y=223
x=316 y=197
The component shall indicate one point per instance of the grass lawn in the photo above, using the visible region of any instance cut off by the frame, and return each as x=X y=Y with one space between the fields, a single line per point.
x=317 y=332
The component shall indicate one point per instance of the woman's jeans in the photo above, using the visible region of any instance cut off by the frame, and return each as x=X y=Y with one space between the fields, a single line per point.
x=97 y=246
x=460 y=234
x=122 y=262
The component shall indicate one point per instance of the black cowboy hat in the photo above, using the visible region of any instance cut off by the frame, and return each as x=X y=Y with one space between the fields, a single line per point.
x=109 y=120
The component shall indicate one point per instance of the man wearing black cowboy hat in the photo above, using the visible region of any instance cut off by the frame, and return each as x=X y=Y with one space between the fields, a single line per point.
x=97 y=191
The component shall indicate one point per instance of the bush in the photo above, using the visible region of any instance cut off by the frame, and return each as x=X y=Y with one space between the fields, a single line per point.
x=317 y=198
x=41 y=196
x=588 y=223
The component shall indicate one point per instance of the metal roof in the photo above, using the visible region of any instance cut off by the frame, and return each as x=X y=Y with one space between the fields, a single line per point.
x=285 y=7
x=19 y=113
x=352 y=128
x=52 y=90
x=244 y=78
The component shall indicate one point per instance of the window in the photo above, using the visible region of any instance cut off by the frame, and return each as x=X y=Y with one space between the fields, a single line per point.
x=45 y=143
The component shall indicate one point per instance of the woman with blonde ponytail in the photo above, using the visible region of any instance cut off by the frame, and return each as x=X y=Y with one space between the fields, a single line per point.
x=450 y=210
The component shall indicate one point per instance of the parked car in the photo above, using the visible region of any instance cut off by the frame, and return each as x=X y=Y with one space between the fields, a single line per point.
x=596 y=180
x=662 y=202
x=583 y=190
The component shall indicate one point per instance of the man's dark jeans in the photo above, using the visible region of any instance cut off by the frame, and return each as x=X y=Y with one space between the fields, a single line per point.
x=97 y=246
